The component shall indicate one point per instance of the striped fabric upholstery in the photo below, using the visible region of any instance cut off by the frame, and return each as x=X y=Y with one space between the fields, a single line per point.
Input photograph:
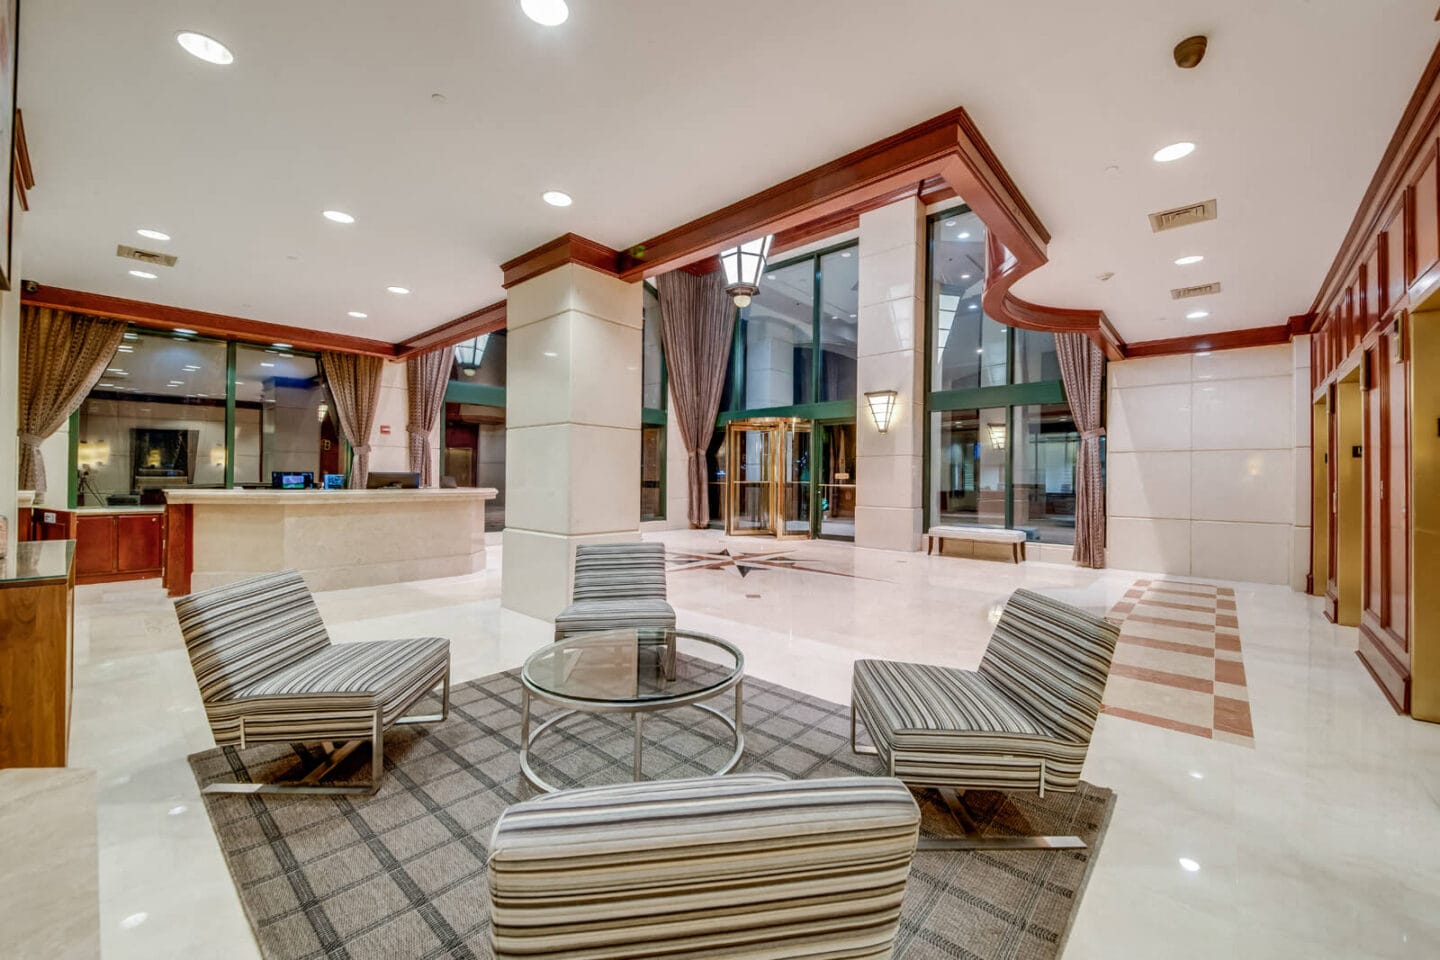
x=617 y=585
x=261 y=654
x=1035 y=698
x=735 y=867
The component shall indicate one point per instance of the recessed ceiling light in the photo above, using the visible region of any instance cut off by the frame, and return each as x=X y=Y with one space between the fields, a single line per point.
x=949 y=223
x=358 y=315
x=979 y=349
x=1189 y=865
x=149 y=234
x=845 y=253
x=191 y=366
x=266 y=363
x=143 y=275
x=281 y=346
x=964 y=235
x=556 y=198
x=339 y=216
x=185 y=330
x=964 y=276
x=547 y=13
x=1186 y=261
x=400 y=290
x=1197 y=314
x=1174 y=151
x=973 y=307
x=206 y=48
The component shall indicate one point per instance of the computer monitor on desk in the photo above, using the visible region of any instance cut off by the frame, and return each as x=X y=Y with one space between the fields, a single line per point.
x=392 y=481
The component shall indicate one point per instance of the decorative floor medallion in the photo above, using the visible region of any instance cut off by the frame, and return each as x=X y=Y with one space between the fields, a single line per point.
x=1178 y=663
x=680 y=561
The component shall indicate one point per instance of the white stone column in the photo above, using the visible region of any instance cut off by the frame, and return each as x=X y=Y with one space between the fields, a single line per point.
x=890 y=356
x=572 y=438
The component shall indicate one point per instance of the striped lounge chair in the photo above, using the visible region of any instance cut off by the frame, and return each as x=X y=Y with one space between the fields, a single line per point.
x=1022 y=721
x=268 y=673
x=617 y=586
x=737 y=867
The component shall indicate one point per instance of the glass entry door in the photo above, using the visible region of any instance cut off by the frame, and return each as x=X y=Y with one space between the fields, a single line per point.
x=750 y=479
x=792 y=446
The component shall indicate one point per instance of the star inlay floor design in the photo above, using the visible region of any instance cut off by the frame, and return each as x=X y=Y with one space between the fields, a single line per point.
x=746 y=563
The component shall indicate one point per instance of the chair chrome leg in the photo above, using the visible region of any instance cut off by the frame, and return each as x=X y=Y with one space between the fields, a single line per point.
x=444 y=706
x=855 y=748
x=973 y=841
x=309 y=784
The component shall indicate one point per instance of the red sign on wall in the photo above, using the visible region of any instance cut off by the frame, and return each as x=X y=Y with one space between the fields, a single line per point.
x=385 y=429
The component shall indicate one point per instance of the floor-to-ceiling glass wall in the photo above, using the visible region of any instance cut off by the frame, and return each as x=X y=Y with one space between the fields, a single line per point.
x=474 y=437
x=1001 y=444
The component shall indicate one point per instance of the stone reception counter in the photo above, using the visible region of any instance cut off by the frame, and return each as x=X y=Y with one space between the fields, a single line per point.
x=336 y=538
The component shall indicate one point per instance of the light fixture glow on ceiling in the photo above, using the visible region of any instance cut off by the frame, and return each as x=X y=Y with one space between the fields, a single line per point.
x=266 y=363
x=1186 y=261
x=547 y=13
x=149 y=234
x=143 y=275
x=338 y=216
x=281 y=346
x=1174 y=151
x=1189 y=865
x=358 y=315
x=1197 y=314
x=185 y=330
x=400 y=290
x=206 y=48
x=965 y=235
x=556 y=198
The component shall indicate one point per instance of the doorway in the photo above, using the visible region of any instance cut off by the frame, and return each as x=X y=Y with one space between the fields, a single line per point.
x=790 y=479
x=1320 y=496
x=1348 y=519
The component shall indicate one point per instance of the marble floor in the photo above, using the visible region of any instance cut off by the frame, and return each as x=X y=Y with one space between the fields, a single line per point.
x=1319 y=840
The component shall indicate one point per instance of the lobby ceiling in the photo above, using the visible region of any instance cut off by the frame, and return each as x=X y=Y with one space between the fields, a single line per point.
x=438 y=124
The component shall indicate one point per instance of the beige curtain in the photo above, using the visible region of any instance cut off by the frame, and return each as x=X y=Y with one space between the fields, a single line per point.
x=698 y=322
x=1082 y=368
x=354 y=381
x=426 y=377
x=62 y=356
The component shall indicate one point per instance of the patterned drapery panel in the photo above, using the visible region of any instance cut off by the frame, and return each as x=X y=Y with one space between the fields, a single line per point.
x=62 y=356
x=426 y=377
x=698 y=322
x=354 y=382
x=1082 y=368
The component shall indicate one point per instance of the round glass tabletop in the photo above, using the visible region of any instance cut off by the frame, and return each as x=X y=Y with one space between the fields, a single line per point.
x=633 y=667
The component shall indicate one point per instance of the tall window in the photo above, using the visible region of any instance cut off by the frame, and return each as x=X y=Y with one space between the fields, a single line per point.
x=777 y=331
x=838 y=324
x=1001 y=444
x=654 y=400
x=289 y=423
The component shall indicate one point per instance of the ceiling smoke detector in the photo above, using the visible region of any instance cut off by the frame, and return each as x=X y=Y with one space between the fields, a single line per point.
x=1176 y=217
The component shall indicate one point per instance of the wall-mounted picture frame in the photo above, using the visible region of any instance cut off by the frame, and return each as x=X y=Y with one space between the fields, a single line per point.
x=9 y=77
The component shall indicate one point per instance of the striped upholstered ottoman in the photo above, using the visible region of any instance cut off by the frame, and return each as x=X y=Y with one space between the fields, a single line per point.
x=734 y=867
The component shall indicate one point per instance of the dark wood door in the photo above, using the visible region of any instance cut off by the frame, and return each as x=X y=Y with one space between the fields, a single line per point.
x=95 y=545
x=138 y=546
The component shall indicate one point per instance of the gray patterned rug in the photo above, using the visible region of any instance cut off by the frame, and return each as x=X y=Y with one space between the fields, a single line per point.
x=401 y=875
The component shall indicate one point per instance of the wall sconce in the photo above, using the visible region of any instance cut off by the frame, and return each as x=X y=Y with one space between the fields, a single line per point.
x=997 y=435
x=882 y=407
x=217 y=456
x=93 y=454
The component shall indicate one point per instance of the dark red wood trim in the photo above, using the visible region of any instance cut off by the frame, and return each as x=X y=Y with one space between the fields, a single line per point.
x=930 y=192
x=1300 y=324
x=24 y=172
x=179 y=554
x=571 y=248
x=161 y=317
x=1227 y=340
x=1410 y=139
x=474 y=324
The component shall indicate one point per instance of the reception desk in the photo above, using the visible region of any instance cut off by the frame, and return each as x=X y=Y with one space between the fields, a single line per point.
x=336 y=538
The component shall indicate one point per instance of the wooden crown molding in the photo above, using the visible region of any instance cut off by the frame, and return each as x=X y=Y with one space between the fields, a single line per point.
x=571 y=248
x=476 y=323
x=158 y=316
x=1410 y=139
x=1206 y=342
x=24 y=172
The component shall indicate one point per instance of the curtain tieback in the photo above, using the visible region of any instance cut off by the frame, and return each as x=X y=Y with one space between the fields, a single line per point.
x=362 y=451
x=1092 y=434
x=34 y=439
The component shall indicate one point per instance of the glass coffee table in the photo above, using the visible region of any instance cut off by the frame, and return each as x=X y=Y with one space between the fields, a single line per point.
x=635 y=672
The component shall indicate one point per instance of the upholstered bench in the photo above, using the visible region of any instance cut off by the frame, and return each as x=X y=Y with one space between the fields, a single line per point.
x=1015 y=538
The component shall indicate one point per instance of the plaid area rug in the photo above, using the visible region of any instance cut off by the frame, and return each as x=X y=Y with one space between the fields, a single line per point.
x=401 y=875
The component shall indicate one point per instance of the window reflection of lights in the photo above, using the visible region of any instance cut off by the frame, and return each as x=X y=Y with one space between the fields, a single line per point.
x=997 y=435
x=470 y=354
x=949 y=303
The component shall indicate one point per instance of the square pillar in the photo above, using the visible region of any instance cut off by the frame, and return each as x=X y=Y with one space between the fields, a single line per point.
x=890 y=356
x=572 y=429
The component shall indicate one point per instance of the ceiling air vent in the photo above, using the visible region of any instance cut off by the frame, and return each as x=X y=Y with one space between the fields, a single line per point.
x=145 y=256
x=1182 y=216
x=1199 y=290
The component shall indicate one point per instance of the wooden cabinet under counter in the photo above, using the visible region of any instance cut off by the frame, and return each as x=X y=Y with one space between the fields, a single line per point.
x=118 y=544
x=37 y=590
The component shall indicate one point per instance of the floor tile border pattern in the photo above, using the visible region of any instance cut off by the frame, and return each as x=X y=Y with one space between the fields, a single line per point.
x=1194 y=630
